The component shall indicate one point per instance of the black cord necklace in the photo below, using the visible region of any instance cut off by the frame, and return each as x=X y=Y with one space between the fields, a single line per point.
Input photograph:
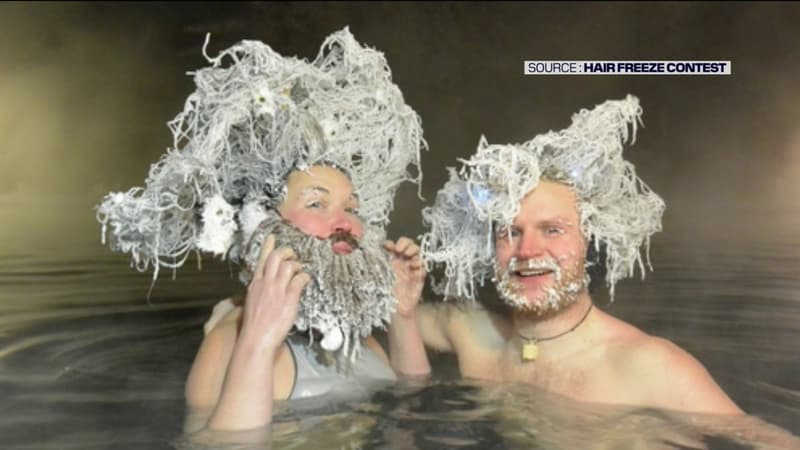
x=530 y=349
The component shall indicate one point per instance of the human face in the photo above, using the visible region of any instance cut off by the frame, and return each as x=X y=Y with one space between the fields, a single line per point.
x=540 y=258
x=348 y=295
x=320 y=202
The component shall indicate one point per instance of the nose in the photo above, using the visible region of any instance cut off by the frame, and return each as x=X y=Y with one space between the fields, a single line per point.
x=529 y=246
x=343 y=223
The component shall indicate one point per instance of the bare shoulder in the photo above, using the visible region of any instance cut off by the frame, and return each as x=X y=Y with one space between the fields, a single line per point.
x=665 y=374
x=223 y=333
x=645 y=353
x=209 y=367
x=468 y=313
x=221 y=311
x=475 y=326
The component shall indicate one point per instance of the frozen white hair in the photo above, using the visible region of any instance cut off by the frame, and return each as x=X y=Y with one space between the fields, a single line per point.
x=617 y=210
x=254 y=117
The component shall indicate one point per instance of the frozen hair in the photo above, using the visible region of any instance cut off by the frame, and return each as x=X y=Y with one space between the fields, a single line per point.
x=254 y=117
x=618 y=212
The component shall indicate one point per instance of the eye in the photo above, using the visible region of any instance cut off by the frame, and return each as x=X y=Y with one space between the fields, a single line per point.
x=554 y=231
x=314 y=204
x=508 y=232
x=352 y=210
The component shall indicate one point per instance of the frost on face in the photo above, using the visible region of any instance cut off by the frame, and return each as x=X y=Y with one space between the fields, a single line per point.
x=557 y=295
x=616 y=208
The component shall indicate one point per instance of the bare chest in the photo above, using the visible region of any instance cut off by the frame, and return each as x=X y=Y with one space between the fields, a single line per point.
x=565 y=379
x=582 y=379
x=494 y=365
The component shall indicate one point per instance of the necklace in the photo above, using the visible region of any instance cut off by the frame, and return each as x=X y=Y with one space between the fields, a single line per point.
x=530 y=349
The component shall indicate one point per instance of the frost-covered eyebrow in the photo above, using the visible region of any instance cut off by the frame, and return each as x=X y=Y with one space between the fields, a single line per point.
x=323 y=190
x=314 y=190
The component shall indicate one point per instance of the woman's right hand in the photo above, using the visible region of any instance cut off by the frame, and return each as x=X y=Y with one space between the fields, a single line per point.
x=273 y=296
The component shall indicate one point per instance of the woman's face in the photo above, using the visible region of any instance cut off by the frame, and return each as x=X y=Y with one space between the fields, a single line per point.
x=320 y=202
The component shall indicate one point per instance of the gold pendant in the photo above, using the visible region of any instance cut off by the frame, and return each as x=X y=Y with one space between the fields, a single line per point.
x=530 y=351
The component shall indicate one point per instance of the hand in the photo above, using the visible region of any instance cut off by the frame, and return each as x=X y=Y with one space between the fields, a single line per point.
x=409 y=274
x=273 y=296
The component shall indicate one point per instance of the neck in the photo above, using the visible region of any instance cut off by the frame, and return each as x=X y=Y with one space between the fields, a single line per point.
x=535 y=326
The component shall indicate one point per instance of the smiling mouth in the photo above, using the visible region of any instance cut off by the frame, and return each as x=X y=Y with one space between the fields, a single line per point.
x=531 y=273
x=531 y=268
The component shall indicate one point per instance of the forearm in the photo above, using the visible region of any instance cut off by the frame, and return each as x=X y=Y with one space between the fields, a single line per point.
x=748 y=430
x=406 y=348
x=202 y=437
x=246 y=398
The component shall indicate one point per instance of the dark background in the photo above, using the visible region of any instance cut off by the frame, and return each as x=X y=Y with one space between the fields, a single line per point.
x=86 y=90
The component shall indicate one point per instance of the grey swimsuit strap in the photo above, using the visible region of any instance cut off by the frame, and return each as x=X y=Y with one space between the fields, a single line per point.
x=316 y=373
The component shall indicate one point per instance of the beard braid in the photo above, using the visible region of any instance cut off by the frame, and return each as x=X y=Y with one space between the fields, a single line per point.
x=348 y=295
x=561 y=294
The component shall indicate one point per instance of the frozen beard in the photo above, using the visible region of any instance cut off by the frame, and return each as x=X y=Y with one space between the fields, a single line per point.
x=348 y=295
x=552 y=295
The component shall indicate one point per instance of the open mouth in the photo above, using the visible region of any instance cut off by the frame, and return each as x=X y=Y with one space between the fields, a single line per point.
x=531 y=273
x=343 y=243
x=532 y=269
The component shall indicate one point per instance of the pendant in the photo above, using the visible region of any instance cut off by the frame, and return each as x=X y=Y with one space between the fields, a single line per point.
x=530 y=351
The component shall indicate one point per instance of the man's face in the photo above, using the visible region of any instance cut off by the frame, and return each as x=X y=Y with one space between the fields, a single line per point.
x=540 y=258
x=320 y=202
x=351 y=288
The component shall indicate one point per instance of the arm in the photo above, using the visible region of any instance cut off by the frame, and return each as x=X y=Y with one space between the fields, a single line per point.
x=406 y=349
x=415 y=326
x=207 y=375
x=747 y=430
x=234 y=375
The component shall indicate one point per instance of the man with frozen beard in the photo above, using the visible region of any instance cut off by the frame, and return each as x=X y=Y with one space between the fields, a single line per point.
x=350 y=291
x=316 y=267
x=526 y=216
x=288 y=168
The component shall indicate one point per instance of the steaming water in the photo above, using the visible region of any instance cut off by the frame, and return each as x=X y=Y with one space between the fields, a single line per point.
x=87 y=363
